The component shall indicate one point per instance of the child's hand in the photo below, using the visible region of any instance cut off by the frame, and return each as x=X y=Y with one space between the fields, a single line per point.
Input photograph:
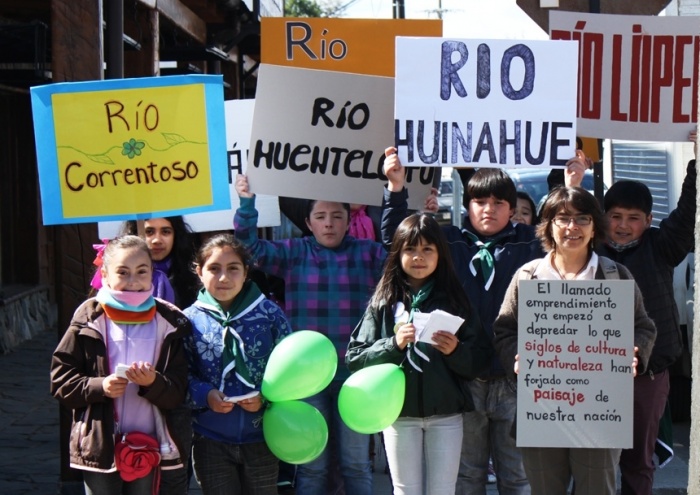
x=114 y=386
x=445 y=342
x=635 y=361
x=253 y=404
x=394 y=171
x=405 y=334
x=216 y=402
x=431 y=201
x=516 y=364
x=242 y=186
x=575 y=168
x=141 y=373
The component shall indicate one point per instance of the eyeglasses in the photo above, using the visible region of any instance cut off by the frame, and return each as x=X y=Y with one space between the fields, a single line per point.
x=565 y=221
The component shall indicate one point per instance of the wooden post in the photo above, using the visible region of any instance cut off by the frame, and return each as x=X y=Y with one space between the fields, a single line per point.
x=143 y=25
x=694 y=458
x=76 y=27
x=114 y=40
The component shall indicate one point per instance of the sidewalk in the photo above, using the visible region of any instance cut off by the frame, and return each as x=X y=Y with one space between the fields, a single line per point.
x=29 y=436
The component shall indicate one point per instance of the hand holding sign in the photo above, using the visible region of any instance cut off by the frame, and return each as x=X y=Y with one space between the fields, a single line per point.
x=431 y=201
x=393 y=170
x=242 y=186
x=576 y=168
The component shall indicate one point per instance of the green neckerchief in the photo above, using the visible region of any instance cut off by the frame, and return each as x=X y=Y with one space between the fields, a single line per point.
x=248 y=294
x=416 y=300
x=484 y=257
x=233 y=344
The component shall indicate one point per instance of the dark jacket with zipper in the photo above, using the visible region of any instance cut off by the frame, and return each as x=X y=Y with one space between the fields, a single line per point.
x=652 y=263
x=79 y=366
x=439 y=389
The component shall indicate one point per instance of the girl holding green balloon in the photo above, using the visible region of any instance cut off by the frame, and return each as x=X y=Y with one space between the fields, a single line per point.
x=235 y=328
x=423 y=445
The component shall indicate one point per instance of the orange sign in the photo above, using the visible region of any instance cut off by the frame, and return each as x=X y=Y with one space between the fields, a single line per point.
x=339 y=45
x=589 y=147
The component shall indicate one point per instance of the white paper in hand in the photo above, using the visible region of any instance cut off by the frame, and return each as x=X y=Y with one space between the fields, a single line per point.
x=239 y=398
x=428 y=323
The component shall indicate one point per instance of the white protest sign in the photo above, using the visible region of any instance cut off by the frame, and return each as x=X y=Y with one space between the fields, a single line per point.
x=239 y=120
x=638 y=75
x=327 y=142
x=485 y=103
x=576 y=346
x=239 y=123
x=324 y=113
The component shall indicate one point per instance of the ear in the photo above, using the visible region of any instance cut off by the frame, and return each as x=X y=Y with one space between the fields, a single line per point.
x=649 y=219
x=198 y=270
x=308 y=224
x=103 y=274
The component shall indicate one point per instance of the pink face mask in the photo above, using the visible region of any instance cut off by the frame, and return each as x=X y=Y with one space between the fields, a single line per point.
x=131 y=298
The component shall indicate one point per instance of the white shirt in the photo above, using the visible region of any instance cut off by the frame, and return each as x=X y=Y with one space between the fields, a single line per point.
x=546 y=271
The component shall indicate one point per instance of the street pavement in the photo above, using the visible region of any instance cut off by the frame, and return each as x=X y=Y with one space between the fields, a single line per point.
x=29 y=432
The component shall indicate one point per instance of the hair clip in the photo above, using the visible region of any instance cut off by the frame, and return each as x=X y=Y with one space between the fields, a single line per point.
x=96 y=281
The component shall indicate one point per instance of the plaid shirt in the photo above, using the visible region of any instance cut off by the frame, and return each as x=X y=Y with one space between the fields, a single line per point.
x=326 y=290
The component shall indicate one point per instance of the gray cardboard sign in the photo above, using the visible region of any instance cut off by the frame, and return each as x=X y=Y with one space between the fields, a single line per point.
x=575 y=383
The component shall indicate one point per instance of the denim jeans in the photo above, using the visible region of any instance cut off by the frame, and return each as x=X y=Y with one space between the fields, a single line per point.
x=352 y=449
x=434 y=443
x=489 y=430
x=112 y=484
x=223 y=468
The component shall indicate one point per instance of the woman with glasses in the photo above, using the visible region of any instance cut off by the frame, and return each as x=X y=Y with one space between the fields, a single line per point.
x=571 y=225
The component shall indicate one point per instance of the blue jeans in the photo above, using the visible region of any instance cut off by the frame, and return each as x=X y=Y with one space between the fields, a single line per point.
x=223 y=468
x=112 y=484
x=434 y=443
x=489 y=430
x=352 y=449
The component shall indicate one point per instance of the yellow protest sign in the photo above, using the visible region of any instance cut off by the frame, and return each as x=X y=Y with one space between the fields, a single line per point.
x=133 y=149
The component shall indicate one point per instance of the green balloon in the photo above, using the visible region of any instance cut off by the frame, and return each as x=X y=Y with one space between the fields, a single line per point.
x=301 y=365
x=371 y=399
x=295 y=431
